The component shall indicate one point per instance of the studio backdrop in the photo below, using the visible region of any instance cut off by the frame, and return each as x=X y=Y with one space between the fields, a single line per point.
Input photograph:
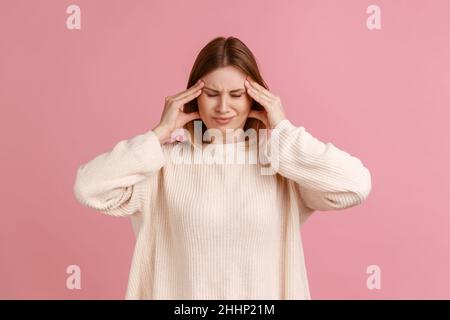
x=372 y=77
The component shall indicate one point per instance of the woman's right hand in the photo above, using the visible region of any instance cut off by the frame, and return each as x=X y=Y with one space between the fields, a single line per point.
x=173 y=116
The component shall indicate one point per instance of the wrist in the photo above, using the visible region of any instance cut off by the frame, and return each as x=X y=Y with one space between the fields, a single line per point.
x=277 y=121
x=162 y=133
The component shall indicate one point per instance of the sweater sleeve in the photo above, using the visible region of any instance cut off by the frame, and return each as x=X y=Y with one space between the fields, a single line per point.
x=115 y=182
x=328 y=178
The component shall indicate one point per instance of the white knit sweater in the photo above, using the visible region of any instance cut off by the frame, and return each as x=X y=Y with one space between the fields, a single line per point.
x=220 y=230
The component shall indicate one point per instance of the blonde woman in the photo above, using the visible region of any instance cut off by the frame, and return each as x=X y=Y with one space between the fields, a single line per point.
x=218 y=229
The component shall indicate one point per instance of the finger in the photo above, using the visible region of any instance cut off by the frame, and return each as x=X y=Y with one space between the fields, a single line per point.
x=259 y=87
x=188 y=98
x=192 y=89
x=198 y=85
x=262 y=93
x=258 y=97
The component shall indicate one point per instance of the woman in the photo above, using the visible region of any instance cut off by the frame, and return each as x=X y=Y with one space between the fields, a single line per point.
x=215 y=229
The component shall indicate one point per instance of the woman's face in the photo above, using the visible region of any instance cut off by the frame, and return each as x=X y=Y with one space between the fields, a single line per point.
x=224 y=96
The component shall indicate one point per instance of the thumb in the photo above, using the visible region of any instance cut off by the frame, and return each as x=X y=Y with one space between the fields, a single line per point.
x=192 y=116
x=260 y=115
x=186 y=117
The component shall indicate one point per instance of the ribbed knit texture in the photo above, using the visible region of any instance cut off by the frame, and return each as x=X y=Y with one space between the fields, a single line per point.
x=220 y=230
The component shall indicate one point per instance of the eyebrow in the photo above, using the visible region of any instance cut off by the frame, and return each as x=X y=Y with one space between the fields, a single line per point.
x=231 y=91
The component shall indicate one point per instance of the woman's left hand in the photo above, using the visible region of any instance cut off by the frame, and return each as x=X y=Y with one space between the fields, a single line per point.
x=273 y=113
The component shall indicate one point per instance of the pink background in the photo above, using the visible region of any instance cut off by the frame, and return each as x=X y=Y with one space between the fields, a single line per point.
x=382 y=95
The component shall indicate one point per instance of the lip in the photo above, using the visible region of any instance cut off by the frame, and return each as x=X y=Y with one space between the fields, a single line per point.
x=223 y=120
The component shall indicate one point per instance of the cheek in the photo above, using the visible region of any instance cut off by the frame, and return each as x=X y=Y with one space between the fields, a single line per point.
x=244 y=105
x=203 y=105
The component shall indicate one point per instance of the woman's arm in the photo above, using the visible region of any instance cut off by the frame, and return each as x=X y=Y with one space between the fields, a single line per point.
x=115 y=182
x=328 y=178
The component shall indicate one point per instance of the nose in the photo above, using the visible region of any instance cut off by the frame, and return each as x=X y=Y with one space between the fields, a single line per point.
x=223 y=105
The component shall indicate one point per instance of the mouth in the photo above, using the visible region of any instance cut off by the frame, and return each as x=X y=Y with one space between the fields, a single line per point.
x=223 y=120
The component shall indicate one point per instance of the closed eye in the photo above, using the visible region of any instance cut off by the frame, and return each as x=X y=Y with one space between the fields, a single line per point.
x=215 y=95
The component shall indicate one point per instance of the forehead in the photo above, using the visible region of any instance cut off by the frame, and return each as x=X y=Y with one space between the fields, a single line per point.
x=225 y=79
